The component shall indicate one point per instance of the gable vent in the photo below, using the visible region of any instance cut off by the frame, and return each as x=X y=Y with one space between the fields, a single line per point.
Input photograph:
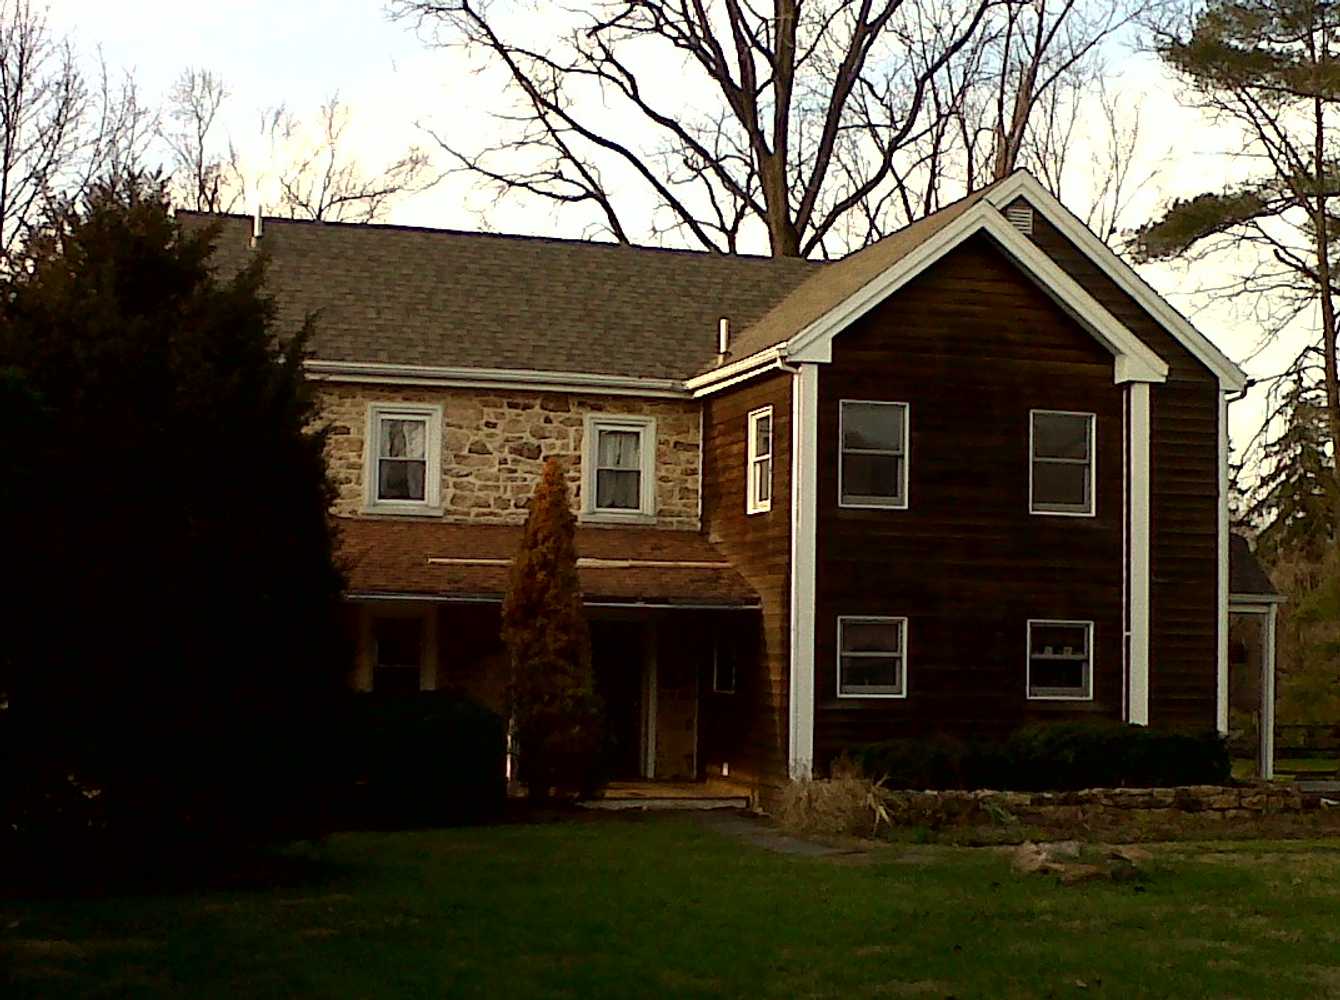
x=1021 y=217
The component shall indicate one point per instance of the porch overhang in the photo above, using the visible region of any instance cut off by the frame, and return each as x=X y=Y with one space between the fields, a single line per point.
x=401 y=559
x=1251 y=592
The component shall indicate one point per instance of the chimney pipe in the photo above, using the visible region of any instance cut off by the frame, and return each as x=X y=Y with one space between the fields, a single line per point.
x=257 y=227
x=723 y=336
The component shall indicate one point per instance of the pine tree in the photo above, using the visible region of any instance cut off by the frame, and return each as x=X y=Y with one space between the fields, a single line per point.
x=167 y=514
x=554 y=707
x=1295 y=493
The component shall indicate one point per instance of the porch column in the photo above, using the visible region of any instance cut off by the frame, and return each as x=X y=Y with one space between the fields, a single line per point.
x=650 y=682
x=429 y=663
x=363 y=655
x=1266 y=755
x=1139 y=565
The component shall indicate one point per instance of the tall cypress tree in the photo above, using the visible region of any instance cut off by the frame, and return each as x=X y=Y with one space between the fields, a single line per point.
x=554 y=708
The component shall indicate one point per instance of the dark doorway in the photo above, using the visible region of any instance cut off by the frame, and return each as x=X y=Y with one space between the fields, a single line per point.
x=617 y=660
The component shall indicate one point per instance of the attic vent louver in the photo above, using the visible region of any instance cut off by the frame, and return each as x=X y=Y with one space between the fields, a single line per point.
x=1021 y=218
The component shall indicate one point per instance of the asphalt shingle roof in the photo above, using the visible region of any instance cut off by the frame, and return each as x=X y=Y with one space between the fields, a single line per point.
x=400 y=295
x=1246 y=575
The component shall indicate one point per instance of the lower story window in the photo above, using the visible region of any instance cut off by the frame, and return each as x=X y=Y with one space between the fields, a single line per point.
x=397 y=654
x=872 y=657
x=1060 y=660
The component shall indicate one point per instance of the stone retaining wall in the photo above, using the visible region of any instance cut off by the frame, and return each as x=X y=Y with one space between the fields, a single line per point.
x=1208 y=801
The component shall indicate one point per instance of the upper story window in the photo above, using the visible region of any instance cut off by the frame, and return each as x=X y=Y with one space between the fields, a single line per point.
x=873 y=467
x=619 y=481
x=404 y=457
x=1060 y=660
x=872 y=657
x=1061 y=476
x=759 y=490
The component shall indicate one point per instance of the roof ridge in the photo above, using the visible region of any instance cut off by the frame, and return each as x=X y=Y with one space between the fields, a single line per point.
x=481 y=234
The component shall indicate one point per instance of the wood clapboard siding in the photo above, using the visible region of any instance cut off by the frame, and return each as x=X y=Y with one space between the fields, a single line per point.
x=1185 y=504
x=972 y=346
x=759 y=546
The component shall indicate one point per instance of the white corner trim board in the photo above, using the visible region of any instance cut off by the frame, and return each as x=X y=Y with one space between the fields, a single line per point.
x=804 y=535
x=1139 y=450
x=1023 y=184
x=1221 y=686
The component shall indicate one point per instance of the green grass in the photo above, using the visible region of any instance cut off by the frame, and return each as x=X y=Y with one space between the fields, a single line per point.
x=666 y=907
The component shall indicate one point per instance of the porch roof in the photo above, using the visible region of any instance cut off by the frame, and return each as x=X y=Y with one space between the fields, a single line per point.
x=433 y=560
x=1246 y=575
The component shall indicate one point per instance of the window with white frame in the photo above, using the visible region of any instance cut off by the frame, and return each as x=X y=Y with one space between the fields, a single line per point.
x=620 y=467
x=873 y=467
x=759 y=491
x=1061 y=475
x=404 y=457
x=1060 y=660
x=397 y=654
x=872 y=657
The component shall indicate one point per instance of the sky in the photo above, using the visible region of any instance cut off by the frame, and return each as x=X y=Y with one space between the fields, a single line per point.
x=299 y=52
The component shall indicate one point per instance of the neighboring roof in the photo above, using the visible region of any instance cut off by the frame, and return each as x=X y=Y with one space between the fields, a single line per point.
x=1246 y=575
x=439 y=298
x=828 y=288
x=471 y=561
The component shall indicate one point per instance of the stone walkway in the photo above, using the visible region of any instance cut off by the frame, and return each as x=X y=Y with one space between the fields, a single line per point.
x=760 y=833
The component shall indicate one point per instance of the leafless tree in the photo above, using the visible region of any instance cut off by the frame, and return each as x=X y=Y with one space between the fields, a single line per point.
x=313 y=170
x=59 y=127
x=205 y=177
x=821 y=124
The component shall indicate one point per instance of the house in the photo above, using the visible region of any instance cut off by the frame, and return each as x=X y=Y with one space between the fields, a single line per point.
x=971 y=476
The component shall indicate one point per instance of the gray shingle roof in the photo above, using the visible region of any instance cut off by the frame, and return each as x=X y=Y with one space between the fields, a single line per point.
x=439 y=298
x=1246 y=575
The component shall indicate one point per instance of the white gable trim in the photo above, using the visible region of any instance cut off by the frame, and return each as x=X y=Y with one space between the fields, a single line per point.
x=1023 y=184
x=1135 y=361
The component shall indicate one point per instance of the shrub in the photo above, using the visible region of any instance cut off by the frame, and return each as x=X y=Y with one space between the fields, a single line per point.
x=421 y=759
x=845 y=806
x=1053 y=757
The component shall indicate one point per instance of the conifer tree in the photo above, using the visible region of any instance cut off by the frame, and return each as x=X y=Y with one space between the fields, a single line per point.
x=554 y=707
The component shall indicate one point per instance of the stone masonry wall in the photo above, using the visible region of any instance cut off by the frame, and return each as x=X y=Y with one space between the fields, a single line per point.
x=494 y=445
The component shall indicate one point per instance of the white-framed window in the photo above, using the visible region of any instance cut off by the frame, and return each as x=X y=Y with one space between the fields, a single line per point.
x=1061 y=463
x=873 y=438
x=404 y=457
x=725 y=662
x=619 y=463
x=872 y=657
x=397 y=654
x=1060 y=660
x=758 y=492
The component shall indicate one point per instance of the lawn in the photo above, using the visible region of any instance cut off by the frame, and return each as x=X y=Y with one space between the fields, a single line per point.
x=665 y=906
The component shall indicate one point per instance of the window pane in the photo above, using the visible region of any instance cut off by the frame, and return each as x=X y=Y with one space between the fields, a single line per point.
x=1053 y=674
x=763 y=436
x=619 y=450
x=403 y=438
x=1060 y=435
x=763 y=480
x=1058 y=484
x=1059 y=640
x=871 y=476
x=871 y=675
x=871 y=637
x=872 y=425
x=618 y=490
x=400 y=479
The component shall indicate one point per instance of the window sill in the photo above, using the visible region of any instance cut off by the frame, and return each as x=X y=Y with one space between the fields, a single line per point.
x=615 y=517
x=402 y=510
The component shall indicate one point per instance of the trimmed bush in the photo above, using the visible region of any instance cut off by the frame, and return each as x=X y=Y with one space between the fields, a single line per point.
x=423 y=759
x=1062 y=756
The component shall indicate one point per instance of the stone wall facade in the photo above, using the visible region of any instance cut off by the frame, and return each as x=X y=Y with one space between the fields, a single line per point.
x=494 y=445
x=1096 y=804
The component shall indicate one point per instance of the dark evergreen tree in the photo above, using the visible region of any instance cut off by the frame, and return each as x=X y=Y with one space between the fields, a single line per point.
x=555 y=713
x=167 y=542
